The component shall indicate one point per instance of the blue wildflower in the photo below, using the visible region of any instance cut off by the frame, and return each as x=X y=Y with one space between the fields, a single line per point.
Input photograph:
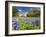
x=37 y=22
x=16 y=25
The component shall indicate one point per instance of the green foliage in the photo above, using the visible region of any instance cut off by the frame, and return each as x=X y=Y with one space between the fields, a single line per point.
x=28 y=27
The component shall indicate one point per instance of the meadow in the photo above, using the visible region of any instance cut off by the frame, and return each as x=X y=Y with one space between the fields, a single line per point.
x=26 y=23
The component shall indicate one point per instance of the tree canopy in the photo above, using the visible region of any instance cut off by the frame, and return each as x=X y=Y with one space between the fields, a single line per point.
x=15 y=12
x=33 y=13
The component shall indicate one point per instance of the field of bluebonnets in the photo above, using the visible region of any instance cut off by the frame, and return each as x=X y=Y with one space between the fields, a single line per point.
x=25 y=18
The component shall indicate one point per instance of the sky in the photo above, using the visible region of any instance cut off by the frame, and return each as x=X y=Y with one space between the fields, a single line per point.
x=24 y=10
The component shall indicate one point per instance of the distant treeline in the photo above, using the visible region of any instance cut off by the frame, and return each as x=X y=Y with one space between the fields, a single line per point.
x=14 y=12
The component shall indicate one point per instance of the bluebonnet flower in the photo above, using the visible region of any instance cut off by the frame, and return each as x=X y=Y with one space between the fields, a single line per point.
x=37 y=22
x=16 y=25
